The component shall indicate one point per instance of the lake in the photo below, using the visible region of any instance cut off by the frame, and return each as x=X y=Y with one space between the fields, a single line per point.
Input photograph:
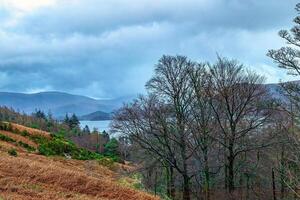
x=100 y=125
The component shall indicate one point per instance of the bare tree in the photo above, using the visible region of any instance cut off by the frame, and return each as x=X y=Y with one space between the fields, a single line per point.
x=146 y=122
x=171 y=83
x=288 y=57
x=238 y=101
x=202 y=122
x=192 y=113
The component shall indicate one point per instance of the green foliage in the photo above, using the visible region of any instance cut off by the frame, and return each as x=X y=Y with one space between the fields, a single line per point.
x=111 y=149
x=40 y=115
x=72 y=122
x=137 y=184
x=86 y=130
x=60 y=146
x=26 y=146
x=135 y=181
x=13 y=152
x=5 y=126
x=25 y=133
x=39 y=139
x=34 y=125
x=61 y=133
x=6 y=138
x=55 y=146
x=107 y=162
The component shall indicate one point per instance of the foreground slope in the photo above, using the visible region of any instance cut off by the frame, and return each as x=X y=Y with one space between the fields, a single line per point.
x=32 y=176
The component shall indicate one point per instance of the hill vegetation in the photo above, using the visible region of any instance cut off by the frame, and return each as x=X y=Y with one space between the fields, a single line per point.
x=27 y=171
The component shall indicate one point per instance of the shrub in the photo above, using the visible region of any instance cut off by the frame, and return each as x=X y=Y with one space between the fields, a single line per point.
x=35 y=126
x=56 y=146
x=25 y=133
x=26 y=146
x=13 y=152
x=6 y=138
x=5 y=126
x=38 y=139
x=107 y=162
x=60 y=146
x=9 y=127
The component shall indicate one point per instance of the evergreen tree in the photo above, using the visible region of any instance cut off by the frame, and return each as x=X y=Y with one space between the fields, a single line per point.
x=67 y=119
x=86 y=130
x=74 y=122
x=39 y=114
x=112 y=148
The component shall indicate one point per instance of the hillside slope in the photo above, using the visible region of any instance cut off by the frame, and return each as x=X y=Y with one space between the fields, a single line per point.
x=36 y=177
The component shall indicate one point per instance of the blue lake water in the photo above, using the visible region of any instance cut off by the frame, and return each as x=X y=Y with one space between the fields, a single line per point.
x=100 y=125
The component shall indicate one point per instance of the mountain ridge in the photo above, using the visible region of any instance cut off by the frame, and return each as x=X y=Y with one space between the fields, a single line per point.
x=59 y=103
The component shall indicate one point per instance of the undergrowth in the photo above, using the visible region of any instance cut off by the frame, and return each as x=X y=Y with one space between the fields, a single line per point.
x=57 y=145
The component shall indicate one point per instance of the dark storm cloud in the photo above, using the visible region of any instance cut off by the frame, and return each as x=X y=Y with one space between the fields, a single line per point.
x=108 y=48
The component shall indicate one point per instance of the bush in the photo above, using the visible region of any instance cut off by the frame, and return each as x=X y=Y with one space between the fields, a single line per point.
x=26 y=146
x=6 y=138
x=4 y=126
x=13 y=152
x=56 y=146
x=60 y=146
x=35 y=126
x=25 y=133
x=106 y=162
x=38 y=139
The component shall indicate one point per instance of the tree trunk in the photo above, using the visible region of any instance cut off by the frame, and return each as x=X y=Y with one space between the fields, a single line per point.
x=282 y=173
x=186 y=188
x=172 y=183
x=247 y=186
x=273 y=185
x=225 y=175
x=231 y=170
x=207 y=177
x=155 y=183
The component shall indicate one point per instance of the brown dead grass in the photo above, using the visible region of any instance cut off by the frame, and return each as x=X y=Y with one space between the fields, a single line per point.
x=31 y=176
x=31 y=131
x=35 y=177
x=19 y=138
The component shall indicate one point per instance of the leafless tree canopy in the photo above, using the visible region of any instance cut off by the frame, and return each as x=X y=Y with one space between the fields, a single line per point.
x=201 y=122
x=288 y=57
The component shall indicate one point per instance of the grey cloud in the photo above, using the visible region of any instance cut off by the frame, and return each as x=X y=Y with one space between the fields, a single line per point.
x=95 y=17
x=108 y=48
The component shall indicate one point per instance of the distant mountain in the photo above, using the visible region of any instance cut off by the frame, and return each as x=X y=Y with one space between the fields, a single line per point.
x=59 y=103
x=96 y=116
x=275 y=90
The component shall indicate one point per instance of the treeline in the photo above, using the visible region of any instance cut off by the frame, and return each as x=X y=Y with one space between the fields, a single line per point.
x=40 y=120
x=214 y=131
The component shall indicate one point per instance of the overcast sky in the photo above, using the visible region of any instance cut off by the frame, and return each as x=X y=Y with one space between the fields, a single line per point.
x=108 y=48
